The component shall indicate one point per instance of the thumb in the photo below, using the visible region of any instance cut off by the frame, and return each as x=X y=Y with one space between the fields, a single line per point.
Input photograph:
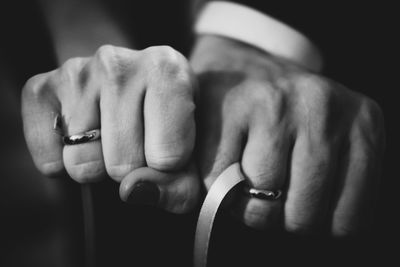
x=176 y=192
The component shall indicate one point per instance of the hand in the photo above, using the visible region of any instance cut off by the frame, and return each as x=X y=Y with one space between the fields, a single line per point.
x=290 y=129
x=143 y=101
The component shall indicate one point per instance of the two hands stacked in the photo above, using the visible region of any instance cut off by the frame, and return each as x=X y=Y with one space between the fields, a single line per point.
x=171 y=125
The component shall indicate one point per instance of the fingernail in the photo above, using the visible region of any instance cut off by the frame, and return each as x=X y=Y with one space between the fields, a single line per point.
x=144 y=193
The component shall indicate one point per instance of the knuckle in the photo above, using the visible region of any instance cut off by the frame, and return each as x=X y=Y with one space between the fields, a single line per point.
x=268 y=178
x=72 y=64
x=36 y=86
x=264 y=94
x=104 y=56
x=116 y=64
x=51 y=169
x=86 y=172
x=167 y=158
x=262 y=100
x=187 y=196
x=168 y=72
x=71 y=68
x=105 y=52
x=119 y=171
x=163 y=54
x=319 y=107
x=369 y=126
x=274 y=103
x=108 y=60
x=72 y=73
x=342 y=231
x=164 y=163
x=371 y=113
x=166 y=61
x=299 y=227
x=317 y=91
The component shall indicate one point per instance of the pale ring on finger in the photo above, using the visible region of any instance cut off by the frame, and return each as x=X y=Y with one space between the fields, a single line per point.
x=263 y=194
x=81 y=138
x=75 y=139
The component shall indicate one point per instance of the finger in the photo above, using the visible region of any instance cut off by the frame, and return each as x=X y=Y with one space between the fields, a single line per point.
x=80 y=110
x=39 y=110
x=122 y=122
x=264 y=163
x=169 y=112
x=310 y=187
x=357 y=194
x=218 y=148
x=176 y=192
x=220 y=131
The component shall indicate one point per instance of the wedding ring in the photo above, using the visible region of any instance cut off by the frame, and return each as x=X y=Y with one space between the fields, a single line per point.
x=263 y=194
x=81 y=138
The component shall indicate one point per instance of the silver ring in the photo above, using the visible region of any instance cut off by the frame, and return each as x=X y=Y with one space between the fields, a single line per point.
x=81 y=138
x=263 y=194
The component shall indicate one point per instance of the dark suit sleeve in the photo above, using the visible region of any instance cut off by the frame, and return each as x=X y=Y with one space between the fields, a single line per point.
x=286 y=11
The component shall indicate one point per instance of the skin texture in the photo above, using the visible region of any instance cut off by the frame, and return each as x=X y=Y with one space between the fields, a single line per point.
x=290 y=129
x=143 y=103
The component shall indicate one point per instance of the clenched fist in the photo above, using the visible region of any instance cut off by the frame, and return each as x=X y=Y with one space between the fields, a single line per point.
x=143 y=103
x=291 y=130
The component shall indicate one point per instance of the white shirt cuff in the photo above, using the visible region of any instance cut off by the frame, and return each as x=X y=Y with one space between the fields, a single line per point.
x=250 y=26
